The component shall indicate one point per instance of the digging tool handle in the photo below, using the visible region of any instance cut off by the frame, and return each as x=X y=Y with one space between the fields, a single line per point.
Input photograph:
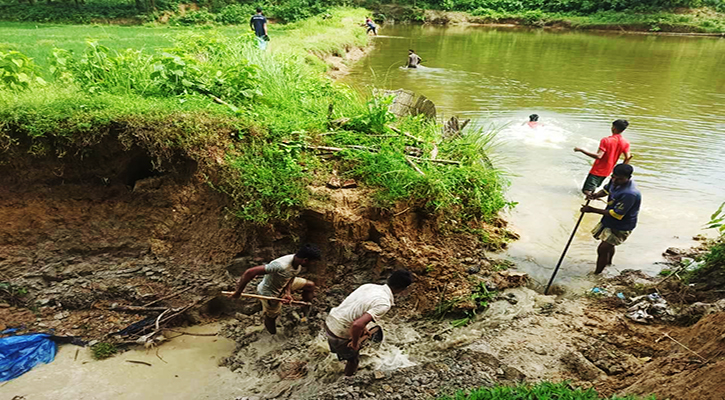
x=563 y=253
x=256 y=296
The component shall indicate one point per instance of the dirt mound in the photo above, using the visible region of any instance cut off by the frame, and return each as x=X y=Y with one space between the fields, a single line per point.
x=679 y=373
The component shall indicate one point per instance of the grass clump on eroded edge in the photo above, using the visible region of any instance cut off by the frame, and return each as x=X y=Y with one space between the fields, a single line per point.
x=251 y=119
x=103 y=350
x=539 y=391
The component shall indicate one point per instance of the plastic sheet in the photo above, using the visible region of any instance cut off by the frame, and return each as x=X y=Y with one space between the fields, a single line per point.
x=19 y=354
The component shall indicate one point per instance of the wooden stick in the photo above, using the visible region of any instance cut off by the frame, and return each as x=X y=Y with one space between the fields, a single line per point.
x=168 y=297
x=438 y=161
x=189 y=333
x=138 y=308
x=256 y=296
x=138 y=362
x=685 y=347
x=159 y=318
x=415 y=167
x=325 y=148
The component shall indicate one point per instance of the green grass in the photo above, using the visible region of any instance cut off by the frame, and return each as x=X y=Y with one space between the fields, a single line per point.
x=539 y=391
x=103 y=350
x=277 y=104
x=701 y=20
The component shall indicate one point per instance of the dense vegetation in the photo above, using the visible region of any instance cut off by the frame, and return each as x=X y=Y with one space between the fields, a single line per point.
x=711 y=270
x=540 y=391
x=691 y=15
x=250 y=118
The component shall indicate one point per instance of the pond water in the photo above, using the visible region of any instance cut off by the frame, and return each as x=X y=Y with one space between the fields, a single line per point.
x=670 y=89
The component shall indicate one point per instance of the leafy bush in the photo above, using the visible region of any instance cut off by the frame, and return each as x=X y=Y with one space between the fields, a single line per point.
x=235 y=14
x=376 y=116
x=540 y=391
x=17 y=71
x=194 y=17
x=296 y=10
x=173 y=72
x=271 y=183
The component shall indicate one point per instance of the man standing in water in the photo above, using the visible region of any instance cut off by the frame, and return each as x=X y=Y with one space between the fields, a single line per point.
x=258 y=23
x=610 y=149
x=280 y=280
x=619 y=218
x=413 y=59
x=346 y=326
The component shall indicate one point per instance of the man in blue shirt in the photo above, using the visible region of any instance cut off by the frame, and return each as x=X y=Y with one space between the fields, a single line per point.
x=619 y=218
x=258 y=23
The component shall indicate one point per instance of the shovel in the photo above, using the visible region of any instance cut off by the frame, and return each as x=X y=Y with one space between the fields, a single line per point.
x=256 y=296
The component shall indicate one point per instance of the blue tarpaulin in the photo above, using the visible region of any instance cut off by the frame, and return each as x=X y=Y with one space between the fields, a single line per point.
x=19 y=354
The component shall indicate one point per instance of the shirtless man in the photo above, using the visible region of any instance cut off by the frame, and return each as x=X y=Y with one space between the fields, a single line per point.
x=413 y=59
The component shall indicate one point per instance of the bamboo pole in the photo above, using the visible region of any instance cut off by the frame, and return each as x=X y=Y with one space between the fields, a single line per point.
x=563 y=253
x=256 y=296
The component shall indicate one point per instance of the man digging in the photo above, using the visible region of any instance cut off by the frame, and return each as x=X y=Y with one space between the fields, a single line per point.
x=346 y=326
x=280 y=280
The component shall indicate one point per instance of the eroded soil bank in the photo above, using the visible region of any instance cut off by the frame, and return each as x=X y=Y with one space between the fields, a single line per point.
x=110 y=228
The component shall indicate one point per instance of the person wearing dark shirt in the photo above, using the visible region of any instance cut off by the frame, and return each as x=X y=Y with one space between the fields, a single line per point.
x=619 y=218
x=258 y=23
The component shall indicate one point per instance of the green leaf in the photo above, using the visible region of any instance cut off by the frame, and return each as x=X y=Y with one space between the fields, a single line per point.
x=719 y=210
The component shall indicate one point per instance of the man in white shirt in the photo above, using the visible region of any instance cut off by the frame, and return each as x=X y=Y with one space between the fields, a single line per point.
x=280 y=280
x=346 y=326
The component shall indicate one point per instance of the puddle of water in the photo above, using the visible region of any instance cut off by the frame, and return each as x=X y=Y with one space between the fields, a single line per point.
x=190 y=372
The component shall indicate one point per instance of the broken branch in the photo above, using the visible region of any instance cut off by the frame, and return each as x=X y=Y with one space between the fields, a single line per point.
x=139 y=362
x=415 y=167
x=256 y=296
x=168 y=297
x=438 y=161
x=138 y=308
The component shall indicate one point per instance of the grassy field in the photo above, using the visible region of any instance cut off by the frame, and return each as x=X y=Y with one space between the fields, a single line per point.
x=38 y=40
x=211 y=89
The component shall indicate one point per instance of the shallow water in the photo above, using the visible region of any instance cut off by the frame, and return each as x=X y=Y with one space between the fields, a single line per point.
x=671 y=89
x=190 y=372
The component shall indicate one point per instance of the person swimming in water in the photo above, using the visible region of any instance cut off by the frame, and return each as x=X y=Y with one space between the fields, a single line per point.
x=413 y=59
x=533 y=121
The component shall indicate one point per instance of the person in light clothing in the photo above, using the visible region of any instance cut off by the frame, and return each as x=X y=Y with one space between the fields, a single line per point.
x=346 y=325
x=281 y=280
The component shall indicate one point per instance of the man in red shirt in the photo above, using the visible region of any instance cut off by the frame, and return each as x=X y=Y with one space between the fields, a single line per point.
x=610 y=149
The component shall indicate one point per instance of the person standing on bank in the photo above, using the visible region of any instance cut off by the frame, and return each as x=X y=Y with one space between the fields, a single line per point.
x=610 y=149
x=619 y=218
x=371 y=26
x=280 y=280
x=346 y=326
x=258 y=23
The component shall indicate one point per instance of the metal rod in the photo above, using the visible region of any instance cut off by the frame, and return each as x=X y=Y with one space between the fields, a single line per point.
x=563 y=253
